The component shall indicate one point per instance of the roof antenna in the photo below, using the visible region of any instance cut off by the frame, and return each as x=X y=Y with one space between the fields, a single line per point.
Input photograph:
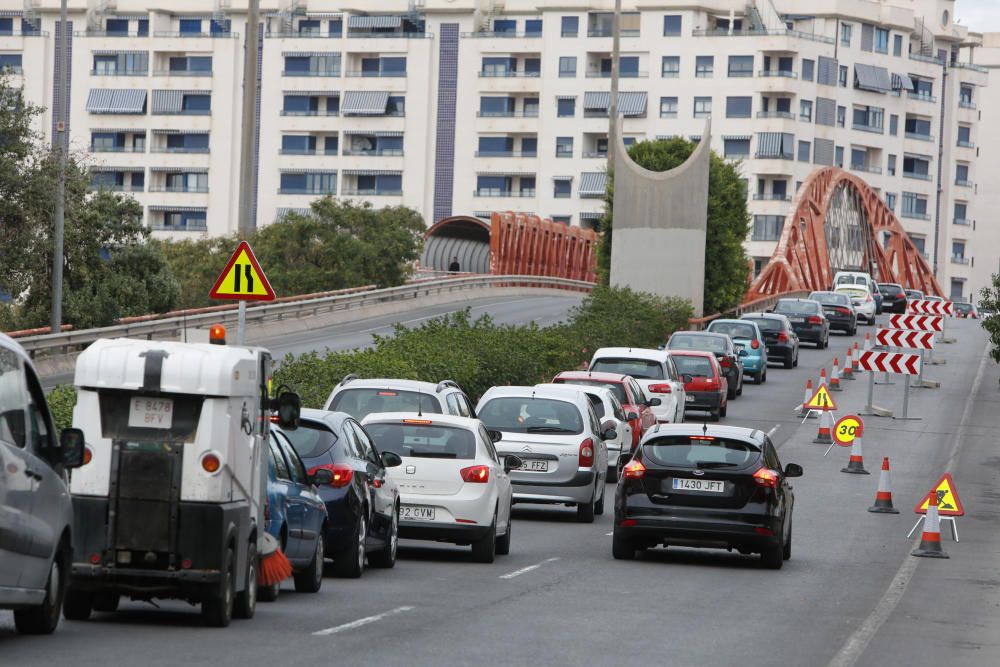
x=704 y=429
x=420 y=402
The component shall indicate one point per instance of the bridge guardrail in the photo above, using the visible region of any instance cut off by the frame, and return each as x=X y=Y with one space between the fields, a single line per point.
x=757 y=305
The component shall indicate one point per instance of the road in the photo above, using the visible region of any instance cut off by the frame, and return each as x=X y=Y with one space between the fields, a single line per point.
x=851 y=594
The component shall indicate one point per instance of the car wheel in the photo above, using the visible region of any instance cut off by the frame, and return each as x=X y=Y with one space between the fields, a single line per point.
x=246 y=602
x=612 y=474
x=268 y=593
x=787 y=553
x=796 y=364
x=715 y=414
x=77 y=604
x=351 y=563
x=622 y=548
x=758 y=377
x=217 y=607
x=585 y=511
x=731 y=391
x=484 y=549
x=763 y=377
x=599 y=505
x=723 y=410
x=739 y=387
x=43 y=619
x=386 y=556
x=503 y=543
x=310 y=580
x=853 y=330
x=773 y=557
x=107 y=602
x=789 y=360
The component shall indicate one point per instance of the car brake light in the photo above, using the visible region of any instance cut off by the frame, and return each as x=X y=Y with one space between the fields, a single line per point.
x=417 y=421
x=342 y=474
x=476 y=474
x=587 y=453
x=210 y=463
x=387 y=393
x=766 y=477
x=725 y=362
x=634 y=470
x=815 y=319
x=701 y=437
x=782 y=337
x=660 y=388
x=87 y=455
x=842 y=310
x=755 y=344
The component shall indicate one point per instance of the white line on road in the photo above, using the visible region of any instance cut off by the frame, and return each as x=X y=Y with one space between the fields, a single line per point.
x=610 y=534
x=523 y=570
x=360 y=622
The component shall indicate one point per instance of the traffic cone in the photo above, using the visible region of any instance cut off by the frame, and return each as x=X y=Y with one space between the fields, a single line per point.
x=835 y=376
x=822 y=376
x=868 y=341
x=856 y=360
x=825 y=434
x=930 y=540
x=856 y=465
x=803 y=410
x=883 y=497
x=848 y=369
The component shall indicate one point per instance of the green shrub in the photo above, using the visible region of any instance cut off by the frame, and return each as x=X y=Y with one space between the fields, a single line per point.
x=62 y=400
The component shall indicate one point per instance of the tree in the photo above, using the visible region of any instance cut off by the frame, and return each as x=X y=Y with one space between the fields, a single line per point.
x=196 y=264
x=727 y=267
x=989 y=309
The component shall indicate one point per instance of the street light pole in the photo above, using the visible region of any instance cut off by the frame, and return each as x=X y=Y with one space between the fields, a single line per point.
x=248 y=156
x=59 y=224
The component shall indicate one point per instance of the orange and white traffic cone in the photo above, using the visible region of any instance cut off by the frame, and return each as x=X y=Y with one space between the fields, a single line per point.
x=856 y=359
x=822 y=376
x=848 y=372
x=856 y=464
x=930 y=540
x=825 y=434
x=868 y=341
x=883 y=497
x=803 y=410
x=835 y=376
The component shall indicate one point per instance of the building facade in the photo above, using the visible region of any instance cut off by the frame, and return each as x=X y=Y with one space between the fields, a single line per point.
x=464 y=107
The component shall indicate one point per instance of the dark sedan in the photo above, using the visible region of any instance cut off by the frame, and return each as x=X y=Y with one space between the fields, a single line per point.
x=718 y=487
x=722 y=346
x=807 y=319
x=781 y=339
x=838 y=310
x=893 y=297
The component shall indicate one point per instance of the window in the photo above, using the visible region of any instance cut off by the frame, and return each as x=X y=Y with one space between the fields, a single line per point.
x=767 y=227
x=529 y=147
x=736 y=149
x=531 y=107
x=562 y=220
x=958 y=250
x=220 y=27
x=564 y=146
x=533 y=28
x=142 y=26
x=493 y=186
x=327 y=64
x=915 y=206
x=784 y=105
x=570 y=26
x=957 y=290
x=962 y=174
x=628 y=66
x=806 y=110
x=842 y=77
x=869 y=118
x=331 y=146
x=965 y=96
x=922 y=89
x=740 y=66
x=775 y=145
x=890 y=201
x=310 y=27
x=300 y=105
x=838 y=159
x=918 y=241
x=190 y=26
x=6 y=26
x=738 y=107
x=187 y=143
x=704 y=66
x=897 y=45
x=562 y=189
x=672 y=25
x=859 y=159
x=671 y=67
x=186 y=182
x=668 y=107
x=567 y=66
x=881 y=40
x=309 y=183
x=918 y=127
x=894 y=125
x=382 y=184
x=841 y=116
x=702 y=107
x=196 y=104
x=186 y=220
x=298 y=144
x=396 y=106
x=891 y=167
x=808 y=68
x=779 y=189
x=804 y=151
x=965 y=136
x=566 y=107
x=961 y=211
x=845 y=33
x=336 y=27
x=504 y=25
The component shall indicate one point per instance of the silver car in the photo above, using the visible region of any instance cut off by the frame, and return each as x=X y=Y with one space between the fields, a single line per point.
x=558 y=437
x=36 y=516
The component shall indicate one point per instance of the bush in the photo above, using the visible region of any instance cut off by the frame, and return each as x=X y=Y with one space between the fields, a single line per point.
x=62 y=400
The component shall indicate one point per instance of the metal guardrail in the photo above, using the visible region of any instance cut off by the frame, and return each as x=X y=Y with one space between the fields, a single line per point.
x=762 y=304
x=172 y=325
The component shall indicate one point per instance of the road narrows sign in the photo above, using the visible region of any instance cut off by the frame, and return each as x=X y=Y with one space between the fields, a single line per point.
x=821 y=400
x=948 y=501
x=242 y=279
x=847 y=429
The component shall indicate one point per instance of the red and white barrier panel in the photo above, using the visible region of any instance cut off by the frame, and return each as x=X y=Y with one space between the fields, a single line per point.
x=916 y=322
x=914 y=340
x=899 y=363
x=926 y=307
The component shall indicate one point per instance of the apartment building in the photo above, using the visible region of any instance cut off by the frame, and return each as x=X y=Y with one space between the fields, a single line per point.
x=464 y=107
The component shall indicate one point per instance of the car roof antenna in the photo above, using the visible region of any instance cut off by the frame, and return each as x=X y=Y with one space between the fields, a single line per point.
x=704 y=428
x=420 y=403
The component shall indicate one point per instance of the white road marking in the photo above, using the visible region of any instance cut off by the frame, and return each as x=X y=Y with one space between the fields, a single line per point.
x=609 y=534
x=360 y=622
x=523 y=570
x=856 y=644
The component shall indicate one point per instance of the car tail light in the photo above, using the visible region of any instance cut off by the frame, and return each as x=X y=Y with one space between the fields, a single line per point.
x=634 y=470
x=842 y=310
x=211 y=463
x=87 y=455
x=342 y=474
x=782 y=337
x=755 y=344
x=587 y=453
x=660 y=388
x=725 y=362
x=627 y=523
x=767 y=532
x=476 y=474
x=868 y=298
x=766 y=477
x=815 y=319
x=424 y=422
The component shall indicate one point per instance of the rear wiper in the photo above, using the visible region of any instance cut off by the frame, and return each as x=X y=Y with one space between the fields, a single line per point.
x=714 y=464
x=433 y=455
x=548 y=429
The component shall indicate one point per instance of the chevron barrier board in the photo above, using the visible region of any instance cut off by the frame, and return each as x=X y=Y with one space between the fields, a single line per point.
x=927 y=307
x=914 y=340
x=900 y=363
x=917 y=322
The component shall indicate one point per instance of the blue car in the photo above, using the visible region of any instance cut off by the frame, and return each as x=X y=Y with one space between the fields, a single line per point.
x=748 y=338
x=295 y=515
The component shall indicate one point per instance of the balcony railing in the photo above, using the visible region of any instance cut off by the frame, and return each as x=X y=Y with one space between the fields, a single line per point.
x=507 y=74
x=916 y=176
x=120 y=72
x=507 y=114
x=771 y=73
x=874 y=129
x=368 y=192
x=317 y=192
x=959 y=259
x=182 y=72
x=176 y=149
x=391 y=35
x=304 y=35
x=183 y=112
x=94 y=187
x=608 y=32
x=117 y=149
x=915 y=216
x=108 y=33
x=925 y=59
x=309 y=113
x=503 y=34
x=967 y=104
x=490 y=192
x=178 y=188
x=364 y=74
x=867 y=169
x=971 y=66
x=921 y=97
x=965 y=144
x=373 y=151
x=787 y=115
x=507 y=154
x=632 y=74
x=310 y=73
x=306 y=151
x=189 y=227
x=770 y=196
x=206 y=35
x=962 y=221
x=724 y=32
x=964 y=184
x=919 y=137
x=595 y=154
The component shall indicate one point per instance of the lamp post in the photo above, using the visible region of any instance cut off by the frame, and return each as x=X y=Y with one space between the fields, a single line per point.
x=59 y=224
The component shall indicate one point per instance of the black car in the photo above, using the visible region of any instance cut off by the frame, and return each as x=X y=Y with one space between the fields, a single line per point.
x=913 y=294
x=807 y=319
x=721 y=345
x=362 y=502
x=706 y=486
x=782 y=341
x=893 y=297
x=838 y=310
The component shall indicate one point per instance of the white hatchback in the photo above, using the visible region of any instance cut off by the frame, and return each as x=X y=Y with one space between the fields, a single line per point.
x=453 y=486
x=655 y=372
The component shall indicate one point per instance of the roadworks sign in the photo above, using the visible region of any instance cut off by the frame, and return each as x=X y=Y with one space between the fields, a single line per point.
x=948 y=501
x=242 y=279
x=847 y=429
x=821 y=400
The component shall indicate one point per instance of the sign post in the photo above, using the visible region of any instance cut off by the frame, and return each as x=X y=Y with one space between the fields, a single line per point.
x=243 y=280
x=900 y=363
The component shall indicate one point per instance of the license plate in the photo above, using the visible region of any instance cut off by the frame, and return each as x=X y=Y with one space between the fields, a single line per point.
x=703 y=485
x=151 y=413
x=797 y=320
x=416 y=513
x=689 y=398
x=534 y=465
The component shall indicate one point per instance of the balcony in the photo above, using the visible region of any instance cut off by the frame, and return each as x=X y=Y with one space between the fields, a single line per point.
x=503 y=193
x=869 y=170
x=181 y=72
x=178 y=188
x=965 y=144
x=771 y=197
x=305 y=151
x=504 y=34
x=925 y=59
x=787 y=115
x=769 y=73
x=357 y=74
x=200 y=35
x=915 y=216
x=94 y=187
x=508 y=114
x=965 y=222
x=967 y=104
x=633 y=74
x=914 y=175
x=293 y=73
x=971 y=66
x=507 y=73
x=315 y=192
x=106 y=33
x=118 y=72
x=367 y=192
x=373 y=151
x=192 y=226
x=921 y=97
x=959 y=259
x=311 y=112
x=608 y=32
x=964 y=184
x=177 y=149
x=595 y=154
x=874 y=129
x=919 y=137
x=724 y=32
x=509 y=154
x=395 y=35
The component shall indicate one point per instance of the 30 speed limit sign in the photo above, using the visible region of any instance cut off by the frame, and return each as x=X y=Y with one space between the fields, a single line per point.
x=847 y=429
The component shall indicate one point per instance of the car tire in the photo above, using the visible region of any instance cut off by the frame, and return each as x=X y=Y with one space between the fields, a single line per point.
x=77 y=604
x=612 y=475
x=503 y=542
x=773 y=557
x=789 y=360
x=385 y=557
x=622 y=548
x=246 y=601
x=739 y=388
x=351 y=563
x=723 y=410
x=853 y=330
x=484 y=550
x=715 y=415
x=268 y=593
x=44 y=619
x=763 y=378
x=796 y=364
x=217 y=607
x=599 y=505
x=310 y=580
x=585 y=511
x=107 y=602
x=731 y=391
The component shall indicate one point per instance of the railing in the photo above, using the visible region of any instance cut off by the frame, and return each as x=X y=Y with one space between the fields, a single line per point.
x=391 y=35
x=307 y=34
x=787 y=115
x=967 y=104
x=958 y=259
x=181 y=72
x=963 y=183
x=915 y=216
x=961 y=221
x=598 y=154
x=368 y=74
x=120 y=72
x=508 y=154
x=919 y=57
x=971 y=66
x=506 y=114
x=776 y=73
x=628 y=74
x=368 y=192
x=874 y=129
x=919 y=137
x=208 y=35
x=189 y=227
x=916 y=176
x=295 y=73
x=179 y=149
x=764 y=304
x=503 y=34
x=178 y=188
x=965 y=144
x=507 y=74
x=503 y=193
x=870 y=170
x=311 y=112
x=373 y=151
x=117 y=149
x=770 y=196
x=724 y=32
x=921 y=97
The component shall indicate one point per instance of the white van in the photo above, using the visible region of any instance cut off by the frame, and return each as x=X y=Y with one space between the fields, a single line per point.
x=854 y=279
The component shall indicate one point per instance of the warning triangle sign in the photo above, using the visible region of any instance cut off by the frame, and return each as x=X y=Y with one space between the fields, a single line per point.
x=947 y=498
x=242 y=279
x=821 y=400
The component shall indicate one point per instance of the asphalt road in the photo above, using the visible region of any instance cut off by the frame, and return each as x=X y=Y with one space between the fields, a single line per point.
x=851 y=594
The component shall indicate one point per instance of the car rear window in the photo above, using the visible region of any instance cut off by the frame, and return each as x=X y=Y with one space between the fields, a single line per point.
x=852 y=293
x=424 y=440
x=531 y=415
x=363 y=401
x=830 y=298
x=794 y=307
x=767 y=323
x=697 y=366
x=733 y=329
x=698 y=451
x=311 y=440
x=637 y=368
x=696 y=342
x=964 y=307
x=616 y=387
x=889 y=289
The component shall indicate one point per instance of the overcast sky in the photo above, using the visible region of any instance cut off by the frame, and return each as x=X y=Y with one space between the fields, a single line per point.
x=979 y=15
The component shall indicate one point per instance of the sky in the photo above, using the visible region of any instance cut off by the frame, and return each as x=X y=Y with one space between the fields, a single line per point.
x=979 y=15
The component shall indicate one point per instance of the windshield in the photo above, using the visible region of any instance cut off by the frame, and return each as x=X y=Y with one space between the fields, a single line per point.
x=767 y=323
x=852 y=280
x=700 y=452
x=697 y=342
x=361 y=402
x=424 y=440
x=794 y=306
x=637 y=368
x=310 y=439
x=734 y=329
x=699 y=367
x=531 y=415
x=831 y=298
x=617 y=388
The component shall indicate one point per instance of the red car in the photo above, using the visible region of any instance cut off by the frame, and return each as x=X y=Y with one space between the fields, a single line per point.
x=627 y=391
x=708 y=387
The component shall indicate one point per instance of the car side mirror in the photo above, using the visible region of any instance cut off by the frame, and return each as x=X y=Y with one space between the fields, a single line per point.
x=71 y=447
x=391 y=459
x=793 y=470
x=288 y=405
x=511 y=462
x=653 y=402
x=631 y=416
x=609 y=434
x=687 y=378
x=321 y=477
x=495 y=435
